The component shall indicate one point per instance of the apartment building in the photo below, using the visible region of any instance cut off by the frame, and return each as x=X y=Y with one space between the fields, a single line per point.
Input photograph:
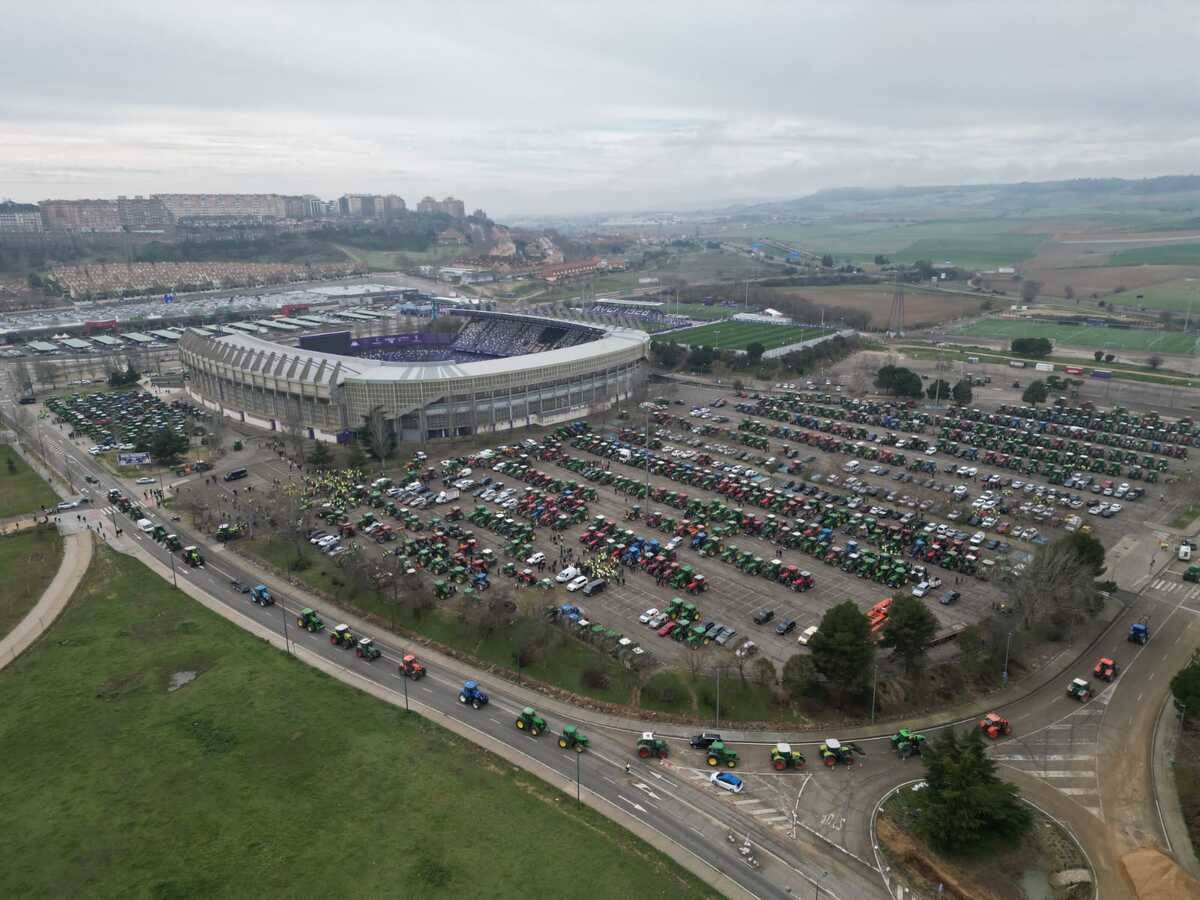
x=86 y=216
x=19 y=218
x=231 y=206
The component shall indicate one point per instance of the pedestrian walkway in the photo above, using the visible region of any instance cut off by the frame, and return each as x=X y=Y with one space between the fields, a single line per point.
x=77 y=555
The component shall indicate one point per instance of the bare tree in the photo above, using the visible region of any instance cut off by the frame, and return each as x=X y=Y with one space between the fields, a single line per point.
x=379 y=438
x=22 y=377
x=1154 y=360
x=47 y=373
x=218 y=428
x=293 y=425
x=1056 y=580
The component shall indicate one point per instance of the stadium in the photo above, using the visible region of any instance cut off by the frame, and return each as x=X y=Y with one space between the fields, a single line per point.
x=496 y=372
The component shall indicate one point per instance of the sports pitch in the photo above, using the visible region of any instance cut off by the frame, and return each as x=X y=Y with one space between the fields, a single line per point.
x=739 y=335
x=1092 y=337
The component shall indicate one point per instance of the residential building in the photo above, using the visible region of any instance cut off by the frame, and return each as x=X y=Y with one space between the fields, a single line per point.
x=428 y=205
x=144 y=214
x=230 y=206
x=19 y=218
x=89 y=216
x=449 y=207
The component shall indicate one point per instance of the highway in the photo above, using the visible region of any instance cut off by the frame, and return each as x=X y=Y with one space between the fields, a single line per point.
x=1086 y=764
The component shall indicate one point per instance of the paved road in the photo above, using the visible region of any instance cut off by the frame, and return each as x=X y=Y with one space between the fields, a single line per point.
x=1086 y=764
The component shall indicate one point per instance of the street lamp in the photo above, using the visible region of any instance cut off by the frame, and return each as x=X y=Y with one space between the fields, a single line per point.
x=874 y=688
x=1007 y=647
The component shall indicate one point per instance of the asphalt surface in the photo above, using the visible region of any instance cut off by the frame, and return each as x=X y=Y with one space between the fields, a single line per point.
x=1086 y=764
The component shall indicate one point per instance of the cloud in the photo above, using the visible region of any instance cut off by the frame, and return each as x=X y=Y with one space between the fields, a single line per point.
x=524 y=107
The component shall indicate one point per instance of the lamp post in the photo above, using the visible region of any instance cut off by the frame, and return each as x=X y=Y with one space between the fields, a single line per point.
x=578 y=757
x=874 y=688
x=1007 y=647
x=174 y=580
x=718 y=722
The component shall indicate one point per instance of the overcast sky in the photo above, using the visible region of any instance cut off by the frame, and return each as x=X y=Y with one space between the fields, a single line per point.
x=531 y=107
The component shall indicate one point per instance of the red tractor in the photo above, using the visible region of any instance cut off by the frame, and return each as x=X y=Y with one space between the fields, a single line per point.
x=1106 y=669
x=994 y=725
x=410 y=668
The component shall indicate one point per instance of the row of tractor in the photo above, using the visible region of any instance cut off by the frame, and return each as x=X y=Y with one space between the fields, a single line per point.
x=364 y=647
x=189 y=554
x=996 y=428
x=601 y=637
x=1102 y=426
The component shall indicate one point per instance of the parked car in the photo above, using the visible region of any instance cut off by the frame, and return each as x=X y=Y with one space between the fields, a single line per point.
x=787 y=626
x=726 y=781
x=648 y=615
x=949 y=598
x=578 y=582
x=807 y=635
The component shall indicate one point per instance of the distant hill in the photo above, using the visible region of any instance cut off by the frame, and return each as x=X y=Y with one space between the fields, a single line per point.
x=1167 y=195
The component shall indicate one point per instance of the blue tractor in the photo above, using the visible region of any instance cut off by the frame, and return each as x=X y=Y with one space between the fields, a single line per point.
x=1139 y=631
x=261 y=595
x=471 y=694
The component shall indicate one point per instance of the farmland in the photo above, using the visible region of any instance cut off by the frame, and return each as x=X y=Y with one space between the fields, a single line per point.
x=739 y=335
x=135 y=684
x=921 y=307
x=1083 y=336
x=1161 y=255
x=1178 y=296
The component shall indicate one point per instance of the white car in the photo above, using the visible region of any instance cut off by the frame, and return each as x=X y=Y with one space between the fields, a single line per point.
x=921 y=589
x=806 y=635
x=579 y=582
x=66 y=504
x=146 y=479
x=649 y=614
x=570 y=573
x=538 y=557
x=726 y=781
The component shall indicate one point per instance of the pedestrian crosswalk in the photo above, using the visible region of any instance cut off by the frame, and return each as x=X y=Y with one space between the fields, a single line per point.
x=753 y=806
x=1064 y=755
x=1179 y=589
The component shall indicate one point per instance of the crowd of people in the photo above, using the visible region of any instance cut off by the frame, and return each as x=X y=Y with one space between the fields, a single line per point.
x=652 y=320
x=492 y=338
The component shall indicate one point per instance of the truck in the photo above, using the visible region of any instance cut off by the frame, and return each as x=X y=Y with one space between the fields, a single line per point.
x=1017 y=363
x=1073 y=370
x=1044 y=367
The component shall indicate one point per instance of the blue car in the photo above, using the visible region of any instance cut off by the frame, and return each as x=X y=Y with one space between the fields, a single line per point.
x=726 y=781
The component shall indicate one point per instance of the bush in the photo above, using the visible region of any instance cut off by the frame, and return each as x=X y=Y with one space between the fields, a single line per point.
x=595 y=679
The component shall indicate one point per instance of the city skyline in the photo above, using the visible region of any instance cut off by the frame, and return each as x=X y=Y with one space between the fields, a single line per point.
x=573 y=111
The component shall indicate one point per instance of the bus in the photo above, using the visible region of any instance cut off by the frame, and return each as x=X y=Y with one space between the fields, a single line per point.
x=1102 y=373
x=235 y=474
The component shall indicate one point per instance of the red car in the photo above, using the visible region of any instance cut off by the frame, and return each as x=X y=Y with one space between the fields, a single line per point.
x=668 y=628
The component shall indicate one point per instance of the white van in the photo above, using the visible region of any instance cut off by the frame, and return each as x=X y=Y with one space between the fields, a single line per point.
x=145 y=525
x=1185 y=552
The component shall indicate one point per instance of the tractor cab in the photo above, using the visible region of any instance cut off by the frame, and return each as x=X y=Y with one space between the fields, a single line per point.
x=191 y=556
x=994 y=725
x=342 y=636
x=471 y=694
x=530 y=721
x=410 y=668
x=649 y=746
x=571 y=739
x=834 y=752
x=261 y=595
x=1106 y=669
x=1079 y=689
x=366 y=649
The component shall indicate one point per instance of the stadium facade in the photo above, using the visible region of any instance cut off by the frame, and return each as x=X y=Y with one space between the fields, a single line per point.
x=574 y=370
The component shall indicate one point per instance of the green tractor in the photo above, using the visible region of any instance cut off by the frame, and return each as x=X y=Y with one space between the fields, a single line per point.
x=1192 y=574
x=649 y=746
x=530 y=721
x=342 y=636
x=1079 y=689
x=309 y=620
x=907 y=743
x=366 y=649
x=572 y=739
x=720 y=755
x=784 y=757
x=441 y=590
x=191 y=556
x=173 y=543
x=834 y=752
x=228 y=532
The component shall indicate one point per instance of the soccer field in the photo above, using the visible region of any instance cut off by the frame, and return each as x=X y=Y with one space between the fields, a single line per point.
x=739 y=335
x=1095 y=338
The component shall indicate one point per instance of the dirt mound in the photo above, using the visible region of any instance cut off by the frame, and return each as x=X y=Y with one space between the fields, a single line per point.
x=957 y=883
x=1156 y=876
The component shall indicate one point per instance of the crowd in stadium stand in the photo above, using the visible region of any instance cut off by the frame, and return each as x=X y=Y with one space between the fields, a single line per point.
x=652 y=319
x=492 y=338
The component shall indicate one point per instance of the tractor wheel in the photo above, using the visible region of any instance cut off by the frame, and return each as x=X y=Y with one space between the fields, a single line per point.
x=299 y=623
x=731 y=763
x=535 y=731
x=579 y=748
x=712 y=761
x=993 y=731
x=358 y=652
x=779 y=765
x=643 y=752
x=333 y=639
x=475 y=704
x=830 y=761
x=562 y=742
x=521 y=724
x=462 y=698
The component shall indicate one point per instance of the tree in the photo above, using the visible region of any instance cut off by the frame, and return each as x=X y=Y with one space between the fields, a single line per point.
x=1058 y=583
x=909 y=629
x=1036 y=393
x=899 y=381
x=799 y=675
x=939 y=390
x=964 y=803
x=1036 y=347
x=217 y=428
x=1154 y=360
x=167 y=445
x=1087 y=548
x=378 y=435
x=827 y=261
x=1069 y=293
x=47 y=373
x=1185 y=686
x=1030 y=289
x=881 y=260
x=320 y=455
x=843 y=649
x=754 y=352
x=962 y=393
x=1098 y=355
x=764 y=671
x=1109 y=357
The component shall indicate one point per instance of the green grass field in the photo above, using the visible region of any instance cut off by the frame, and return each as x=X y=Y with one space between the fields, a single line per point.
x=1160 y=255
x=1081 y=336
x=700 y=312
x=262 y=775
x=1177 y=296
x=974 y=251
x=738 y=335
x=28 y=561
x=21 y=490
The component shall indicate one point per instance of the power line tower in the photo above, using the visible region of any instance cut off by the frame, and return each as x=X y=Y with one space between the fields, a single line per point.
x=896 y=319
